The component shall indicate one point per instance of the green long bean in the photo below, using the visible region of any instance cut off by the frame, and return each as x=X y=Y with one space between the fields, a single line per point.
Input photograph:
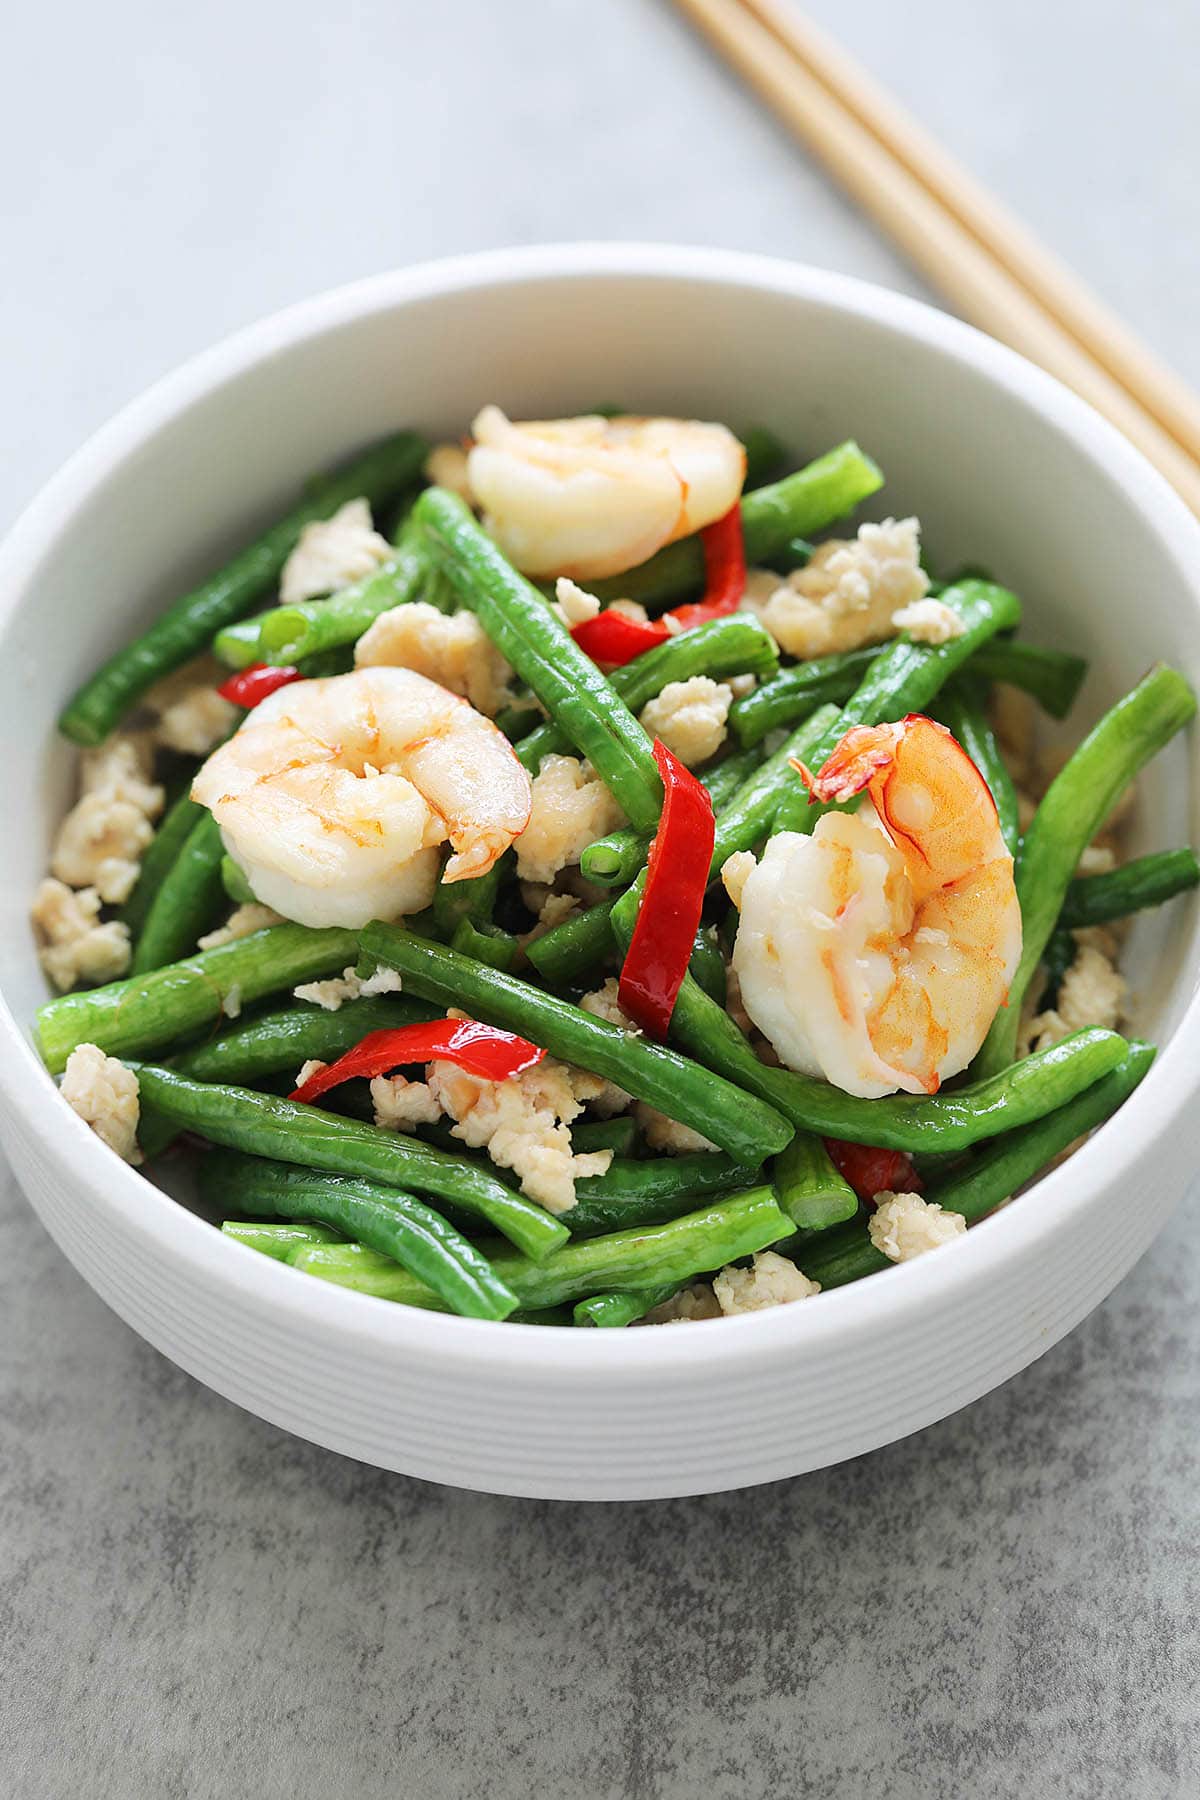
x=277 y=1240
x=545 y=655
x=161 y=853
x=618 y=1135
x=614 y=1310
x=1146 y=881
x=233 y=880
x=1072 y=810
x=189 y=899
x=904 y=678
x=1052 y=677
x=384 y=1219
x=765 y=454
x=236 y=645
x=486 y=943
x=647 y=1192
x=848 y=1254
x=808 y=1188
x=799 y=505
x=277 y=1042
x=187 y=627
x=287 y=1131
x=961 y=708
x=147 y=1012
x=660 y=1256
x=569 y=952
x=734 y=645
x=730 y=1117
x=288 y=634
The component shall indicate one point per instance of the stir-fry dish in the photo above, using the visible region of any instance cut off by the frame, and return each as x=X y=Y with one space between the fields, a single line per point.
x=602 y=886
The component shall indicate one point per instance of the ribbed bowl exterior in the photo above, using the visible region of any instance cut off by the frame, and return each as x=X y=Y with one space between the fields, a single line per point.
x=1007 y=467
x=560 y=1429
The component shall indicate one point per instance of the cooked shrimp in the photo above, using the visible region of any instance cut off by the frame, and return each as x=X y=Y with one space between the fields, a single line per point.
x=333 y=796
x=877 y=951
x=590 y=497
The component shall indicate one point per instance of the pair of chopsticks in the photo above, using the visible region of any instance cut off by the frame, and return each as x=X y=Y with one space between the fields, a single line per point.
x=987 y=264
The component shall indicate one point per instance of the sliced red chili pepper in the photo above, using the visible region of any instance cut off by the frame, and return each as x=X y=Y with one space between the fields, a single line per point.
x=724 y=572
x=481 y=1050
x=676 y=877
x=613 y=638
x=871 y=1171
x=255 y=682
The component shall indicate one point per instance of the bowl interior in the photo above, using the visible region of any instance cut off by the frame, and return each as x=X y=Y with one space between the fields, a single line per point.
x=993 y=479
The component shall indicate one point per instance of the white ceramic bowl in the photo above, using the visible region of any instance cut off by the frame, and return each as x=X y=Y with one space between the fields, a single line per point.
x=1003 y=466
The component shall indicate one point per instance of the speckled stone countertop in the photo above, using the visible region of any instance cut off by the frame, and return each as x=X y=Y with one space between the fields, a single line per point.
x=192 y=1604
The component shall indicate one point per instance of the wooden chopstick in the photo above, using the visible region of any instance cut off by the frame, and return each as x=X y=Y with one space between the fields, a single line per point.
x=953 y=232
x=1094 y=326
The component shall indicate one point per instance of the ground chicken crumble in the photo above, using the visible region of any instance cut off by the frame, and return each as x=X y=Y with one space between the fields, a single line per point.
x=104 y=1094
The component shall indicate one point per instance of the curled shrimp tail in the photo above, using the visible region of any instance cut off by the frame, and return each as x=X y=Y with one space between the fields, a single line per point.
x=861 y=756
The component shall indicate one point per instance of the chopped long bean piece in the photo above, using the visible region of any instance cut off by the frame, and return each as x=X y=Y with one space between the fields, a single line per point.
x=734 y=645
x=147 y=1012
x=664 y=1255
x=992 y=1177
x=648 y=1191
x=474 y=899
x=545 y=655
x=161 y=854
x=1072 y=810
x=961 y=708
x=726 y=1114
x=1052 y=677
x=287 y=1131
x=284 y=1041
x=915 y=1122
x=237 y=645
x=486 y=943
x=288 y=634
x=612 y=1311
x=797 y=506
x=384 y=1219
x=188 y=626
x=233 y=880
x=189 y=899
x=1146 y=881
x=904 y=678
x=569 y=952
x=765 y=454
x=809 y=1188
x=618 y=1135
x=278 y=1240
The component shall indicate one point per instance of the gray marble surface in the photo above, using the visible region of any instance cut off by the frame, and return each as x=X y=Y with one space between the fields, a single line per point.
x=192 y=1604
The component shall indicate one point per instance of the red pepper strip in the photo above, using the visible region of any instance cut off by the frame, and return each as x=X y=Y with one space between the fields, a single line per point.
x=871 y=1171
x=255 y=682
x=481 y=1050
x=614 y=639
x=676 y=877
x=724 y=572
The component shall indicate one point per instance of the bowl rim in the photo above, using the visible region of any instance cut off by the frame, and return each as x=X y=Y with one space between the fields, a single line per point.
x=966 y=1269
